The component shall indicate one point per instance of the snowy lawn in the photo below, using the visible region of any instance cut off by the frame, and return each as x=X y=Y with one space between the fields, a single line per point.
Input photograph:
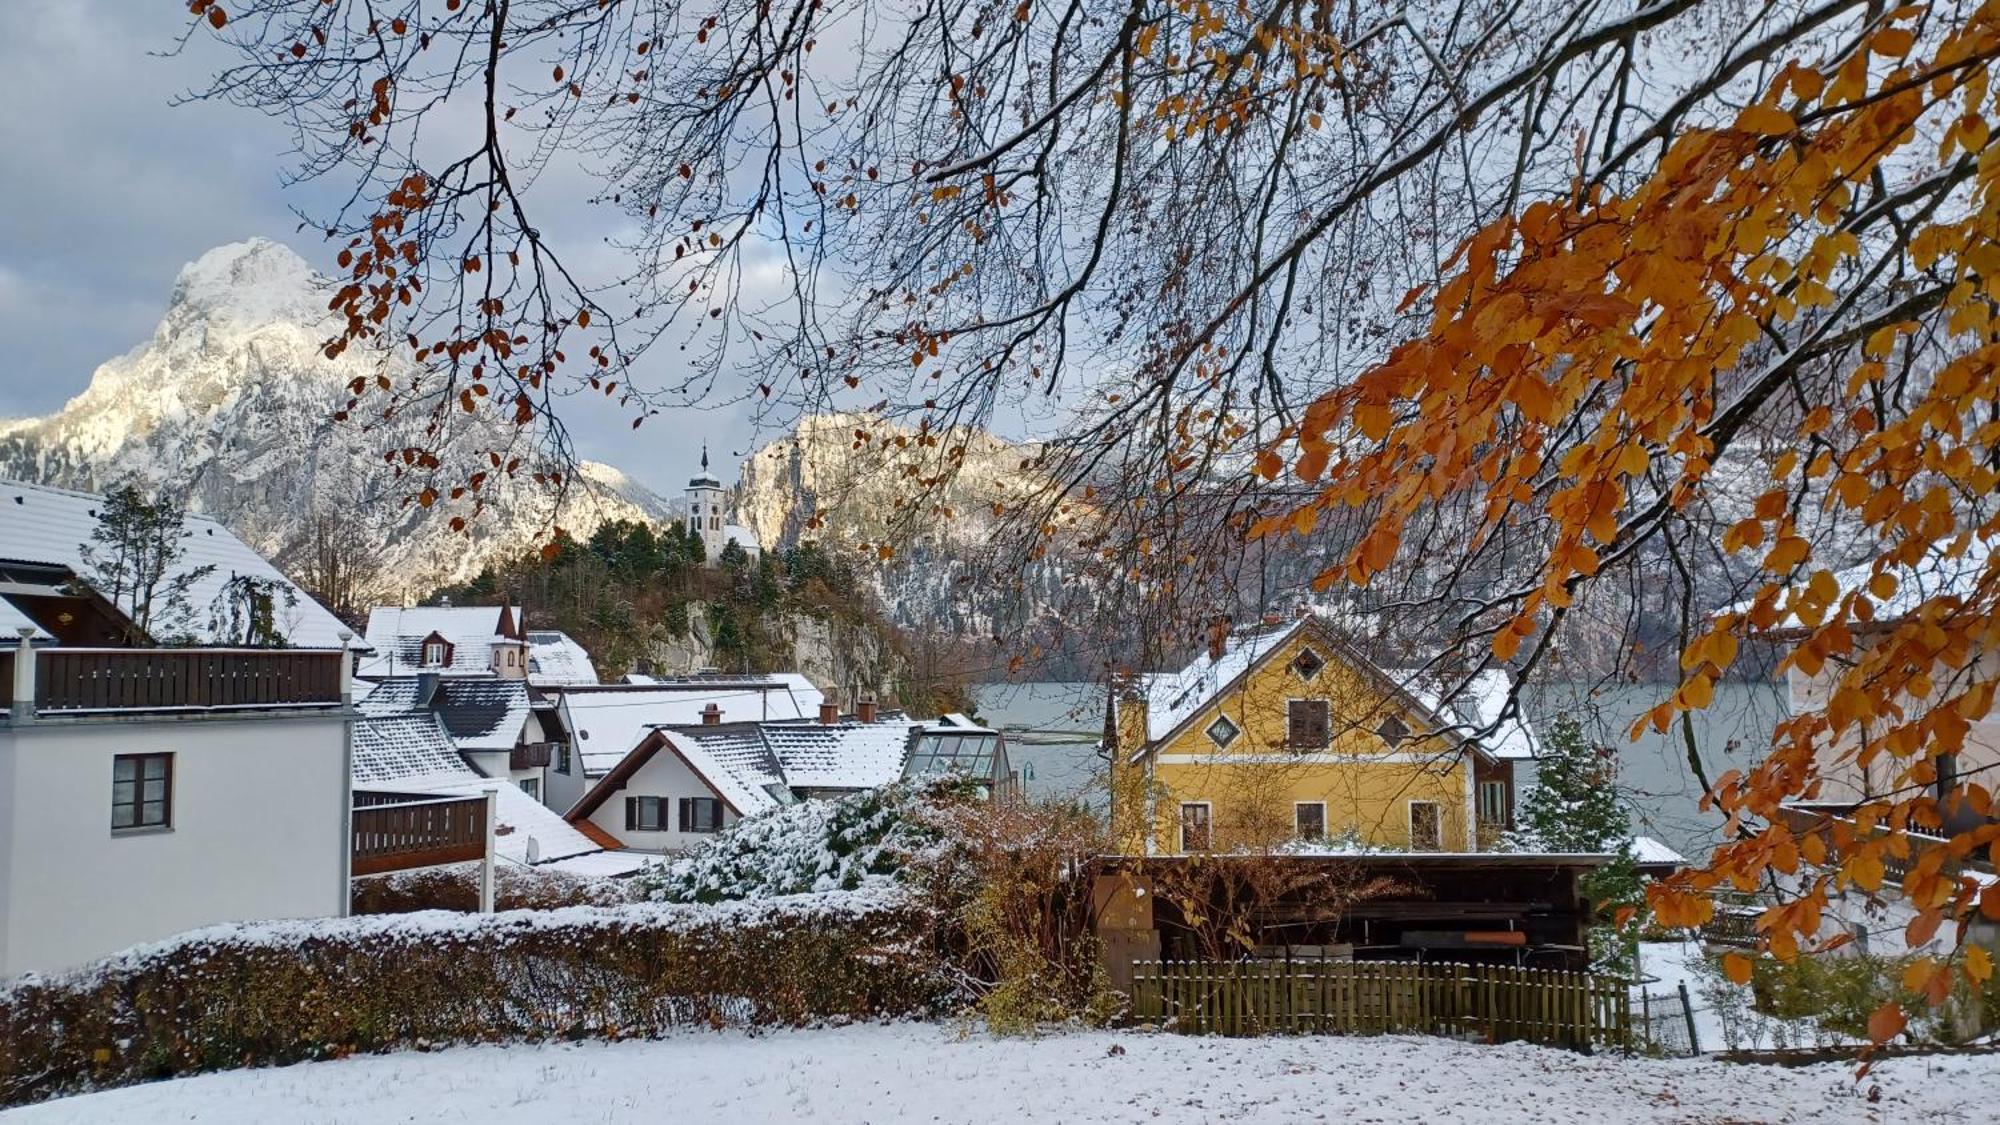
x=917 y=1072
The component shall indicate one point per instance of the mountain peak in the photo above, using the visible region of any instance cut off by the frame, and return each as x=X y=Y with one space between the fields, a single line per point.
x=249 y=283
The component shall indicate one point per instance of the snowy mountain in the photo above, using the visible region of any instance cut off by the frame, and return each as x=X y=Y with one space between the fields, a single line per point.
x=233 y=400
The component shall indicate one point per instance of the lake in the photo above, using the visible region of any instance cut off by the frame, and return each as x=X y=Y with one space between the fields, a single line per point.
x=1053 y=728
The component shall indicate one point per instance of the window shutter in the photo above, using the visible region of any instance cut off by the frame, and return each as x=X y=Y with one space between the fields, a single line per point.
x=687 y=814
x=631 y=813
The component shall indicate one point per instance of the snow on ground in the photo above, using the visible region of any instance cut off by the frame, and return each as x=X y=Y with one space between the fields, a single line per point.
x=933 y=1073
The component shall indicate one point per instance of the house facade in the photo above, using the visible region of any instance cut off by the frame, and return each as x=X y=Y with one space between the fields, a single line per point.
x=1281 y=736
x=147 y=790
x=681 y=784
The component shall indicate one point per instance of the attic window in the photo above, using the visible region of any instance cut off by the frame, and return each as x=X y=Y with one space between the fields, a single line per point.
x=1308 y=664
x=1393 y=730
x=434 y=654
x=1222 y=732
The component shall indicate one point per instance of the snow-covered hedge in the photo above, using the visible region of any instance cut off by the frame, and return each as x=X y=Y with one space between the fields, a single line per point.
x=282 y=992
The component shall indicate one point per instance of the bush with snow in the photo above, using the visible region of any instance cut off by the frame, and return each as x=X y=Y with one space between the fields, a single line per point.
x=864 y=840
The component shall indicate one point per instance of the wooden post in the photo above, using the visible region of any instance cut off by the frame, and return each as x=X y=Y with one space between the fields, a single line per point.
x=1687 y=1009
x=486 y=861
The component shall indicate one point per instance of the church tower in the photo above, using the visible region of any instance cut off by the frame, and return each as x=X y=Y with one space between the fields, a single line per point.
x=707 y=505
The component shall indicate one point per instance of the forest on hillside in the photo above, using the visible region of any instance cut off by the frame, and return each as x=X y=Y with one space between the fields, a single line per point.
x=632 y=594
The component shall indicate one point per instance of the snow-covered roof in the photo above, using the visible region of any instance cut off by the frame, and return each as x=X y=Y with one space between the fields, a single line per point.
x=413 y=753
x=1648 y=852
x=46 y=525
x=479 y=714
x=609 y=721
x=1476 y=707
x=405 y=750
x=740 y=780
x=742 y=536
x=1173 y=697
x=843 y=755
x=12 y=621
x=554 y=660
x=397 y=634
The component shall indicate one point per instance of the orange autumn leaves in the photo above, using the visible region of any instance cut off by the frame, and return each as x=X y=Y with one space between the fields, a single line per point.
x=1591 y=358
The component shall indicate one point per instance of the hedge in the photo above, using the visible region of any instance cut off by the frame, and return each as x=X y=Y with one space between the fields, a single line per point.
x=282 y=992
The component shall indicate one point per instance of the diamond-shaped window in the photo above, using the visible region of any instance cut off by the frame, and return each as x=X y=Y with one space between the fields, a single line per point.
x=1308 y=664
x=1392 y=729
x=1222 y=732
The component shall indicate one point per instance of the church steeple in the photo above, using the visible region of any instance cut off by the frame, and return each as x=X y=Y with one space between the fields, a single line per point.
x=704 y=457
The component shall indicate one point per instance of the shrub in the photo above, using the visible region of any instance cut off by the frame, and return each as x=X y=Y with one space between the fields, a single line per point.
x=282 y=992
x=457 y=888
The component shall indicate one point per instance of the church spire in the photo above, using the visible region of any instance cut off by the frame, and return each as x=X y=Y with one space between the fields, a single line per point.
x=704 y=457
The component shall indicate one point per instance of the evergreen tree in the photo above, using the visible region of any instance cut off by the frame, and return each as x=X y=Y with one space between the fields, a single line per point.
x=1575 y=807
x=131 y=560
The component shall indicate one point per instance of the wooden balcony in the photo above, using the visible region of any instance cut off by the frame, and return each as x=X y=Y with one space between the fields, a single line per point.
x=400 y=831
x=81 y=681
x=530 y=756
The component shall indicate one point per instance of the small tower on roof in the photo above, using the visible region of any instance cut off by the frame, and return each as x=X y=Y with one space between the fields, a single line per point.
x=708 y=509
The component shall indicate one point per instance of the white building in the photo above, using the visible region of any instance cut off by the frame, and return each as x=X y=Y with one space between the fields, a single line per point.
x=145 y=791
x=682 y=783
x=712 y=515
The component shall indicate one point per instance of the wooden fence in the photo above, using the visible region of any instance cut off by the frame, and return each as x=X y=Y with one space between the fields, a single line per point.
x=172 y=679
x=1489 y=1002
x=398 y=835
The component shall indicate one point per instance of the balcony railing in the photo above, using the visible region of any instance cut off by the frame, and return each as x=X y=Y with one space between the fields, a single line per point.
x=529 y=756
x=399 y=831
x=72 y=681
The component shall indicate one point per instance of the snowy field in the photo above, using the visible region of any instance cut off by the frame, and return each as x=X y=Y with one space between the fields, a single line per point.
x=929 y=1073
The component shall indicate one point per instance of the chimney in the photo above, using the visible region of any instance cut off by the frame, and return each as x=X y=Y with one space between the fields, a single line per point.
x=1218 y=636
x=864 y=708
x=427 y=686
x=1271 y=620
x=829 y=713
x=711 y=715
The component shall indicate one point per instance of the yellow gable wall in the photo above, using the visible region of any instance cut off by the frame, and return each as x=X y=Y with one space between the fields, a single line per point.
x=1253 y=785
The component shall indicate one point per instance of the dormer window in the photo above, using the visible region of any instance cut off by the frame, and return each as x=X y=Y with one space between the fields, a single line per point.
x=436 y=651
x=1392 y=730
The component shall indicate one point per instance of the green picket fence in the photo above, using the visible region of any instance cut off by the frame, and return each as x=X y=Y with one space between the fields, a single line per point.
x=1491 y=1002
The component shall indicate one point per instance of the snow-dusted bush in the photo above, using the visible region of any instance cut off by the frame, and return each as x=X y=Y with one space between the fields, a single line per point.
x=283 y=992
x=456 y=887
x=864 y=840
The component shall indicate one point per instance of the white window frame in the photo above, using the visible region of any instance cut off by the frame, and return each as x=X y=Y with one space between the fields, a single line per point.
x=1499 y=809
x=1331 y=739
x=1292 y=665
x=1438 y=817
x=434 y=654
x=1321 y=806
x=1207 y=807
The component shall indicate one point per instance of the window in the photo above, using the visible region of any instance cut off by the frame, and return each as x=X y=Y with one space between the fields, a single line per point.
x=1309 y=820
x=1222 y=732
x=1195 y=835
x=532 y=786
x=510 y=658
x=701 y=814
x=433 y=654
x=646 y=814
x=142 y=791
x=1426 y=827
x=1392 y=730
x=1493 y=803
x=1307 y=664
x=1308 y=724
x=562 y=757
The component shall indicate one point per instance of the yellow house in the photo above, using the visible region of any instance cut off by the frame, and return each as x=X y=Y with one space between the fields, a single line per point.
x=1281 y=732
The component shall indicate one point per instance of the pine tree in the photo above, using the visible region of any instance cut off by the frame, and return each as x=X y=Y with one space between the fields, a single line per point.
x=1575 y=807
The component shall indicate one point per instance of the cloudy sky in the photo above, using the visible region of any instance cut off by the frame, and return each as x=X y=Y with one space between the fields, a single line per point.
x=109 y=189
